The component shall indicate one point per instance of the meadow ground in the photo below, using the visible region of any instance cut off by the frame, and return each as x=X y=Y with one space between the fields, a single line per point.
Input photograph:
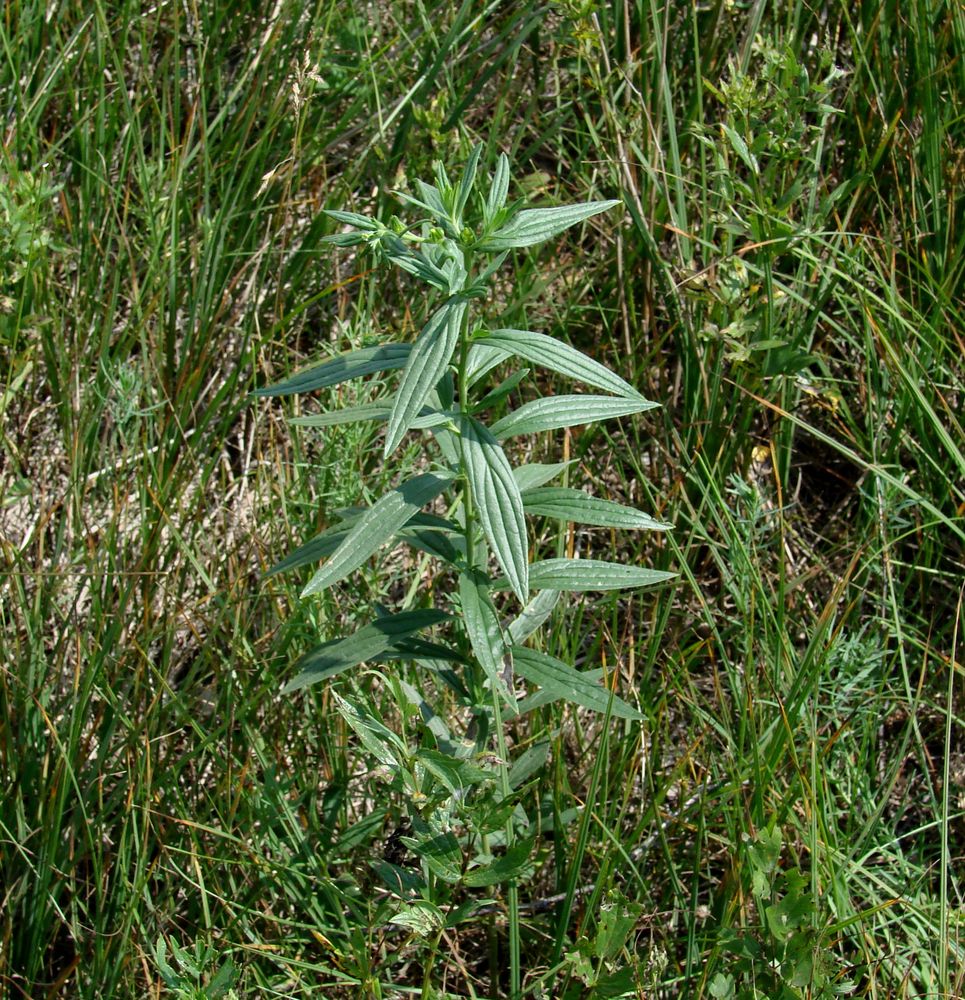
x=786 y=280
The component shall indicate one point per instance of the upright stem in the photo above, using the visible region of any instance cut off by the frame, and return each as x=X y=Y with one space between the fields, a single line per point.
x=469 y=528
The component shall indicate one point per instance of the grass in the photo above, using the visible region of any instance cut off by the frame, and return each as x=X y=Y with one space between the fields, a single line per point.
x=789 y=287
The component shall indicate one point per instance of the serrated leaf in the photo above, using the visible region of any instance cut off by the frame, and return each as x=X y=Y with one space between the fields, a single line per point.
x=498 y=502
x=485 y=633
x=513 y=866
x=534 y=225
x=353 y=364
x=561 y=681
x=575 y=505
x=591 y=574
x=426 y=365
x=553 y=412
x=534 y=474
x=559 y=357
x=376 y=526
x=377 y=640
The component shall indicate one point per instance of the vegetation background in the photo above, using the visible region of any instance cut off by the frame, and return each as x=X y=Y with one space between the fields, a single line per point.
x=787 y=280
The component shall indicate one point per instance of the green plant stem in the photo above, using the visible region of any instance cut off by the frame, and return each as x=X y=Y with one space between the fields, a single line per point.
x=501 y=750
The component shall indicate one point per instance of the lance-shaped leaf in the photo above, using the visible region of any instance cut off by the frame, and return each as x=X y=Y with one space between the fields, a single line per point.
x=377 y=640
x=532 y=616
x=590 y=574
x=535 y=474
x=327 y=541
x=553 y=412
x=365 y=361
x=376 y=526
x=426 y=365
x=513 y=866
x=575 y=505
x=559 y=357
x=362 y=222
x=498 y=502
x=466 y=182
x=561 y=681
x=374 y=735
x=368 y=411
x=485 y=634
x=534 y=225
x=414 y=262
x=500 y=187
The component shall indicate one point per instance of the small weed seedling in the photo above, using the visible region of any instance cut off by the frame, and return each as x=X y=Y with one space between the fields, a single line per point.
x=469 y=829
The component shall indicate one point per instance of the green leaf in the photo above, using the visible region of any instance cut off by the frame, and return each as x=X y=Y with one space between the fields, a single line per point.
x=376 y=737
x=327 y=541
x=559 y=357
x=501 y=391
x=542 y=697
x=532 y=616
x=362 y=222
x=534 y=225
x=456 y=773
x=353 y=364
x=425 y=367
x=552 y=412
x=499 y=189
x=575 y=505
x=421 y=917
x=466 y=182
x=513 y=866
x=415 y=263
x=485 y=634
x=375 y=527
x=371 y=642
x=482 y=360
x=562 y=681
x=368 y=411
x=535 y=474
x=498 y=502
x=592 y=574
x=441 y=853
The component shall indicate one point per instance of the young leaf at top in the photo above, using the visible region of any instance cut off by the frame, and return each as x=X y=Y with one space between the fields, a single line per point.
x=425 y=367
x=559 y=357
x=534 y=225
x=498 y=502
x=499 y=189
x=553 y=412
x=466 y=182
x=375 y=527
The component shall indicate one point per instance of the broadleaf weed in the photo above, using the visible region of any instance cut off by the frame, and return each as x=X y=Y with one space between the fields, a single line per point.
x=470 y=830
